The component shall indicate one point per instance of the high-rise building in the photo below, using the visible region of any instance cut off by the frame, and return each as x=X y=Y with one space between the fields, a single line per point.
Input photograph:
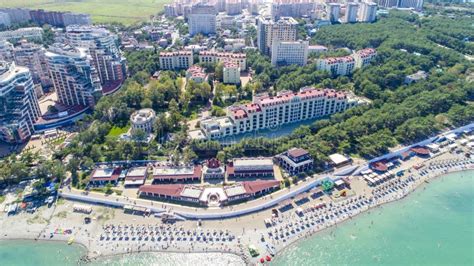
x=17 y=15
x=33 y=57
x=290 y=53
x=387 y=3
x=104 y=53
x=32 y=34
x=59 y=19
x=5 y=20
x=351 y=12
x=292 y=8
x=19 y=108
x=233 y=7
x=333 y=11
x=6 y=51
x=285 y=29
x=202 y=19
x=416 y=4
x=72 y=75
x=367 y=12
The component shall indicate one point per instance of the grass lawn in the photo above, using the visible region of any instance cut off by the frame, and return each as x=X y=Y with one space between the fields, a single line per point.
x=102 y=11
x=115 y=132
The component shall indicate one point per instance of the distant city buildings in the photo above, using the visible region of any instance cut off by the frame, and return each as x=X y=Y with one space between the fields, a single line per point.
x=267 y=111
x=367 y=11
x=268 y=31
x=72 y=75
x=292 y=8
x=19 y=107
x=31 y=34
x=351 y=12
x=5 y=20
x=233 y=7
x=6 y=51
x=289 y=53
x=33 y=57
x=202 y=19
x=40 y=16
x=176 y=60
x=333 y=12
x=345 y=65
x=415 y=4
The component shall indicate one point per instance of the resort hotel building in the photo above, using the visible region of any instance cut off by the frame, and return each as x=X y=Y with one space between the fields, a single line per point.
x=267 y=111
x=19 y=107
x=143 y=120
x=295 y=161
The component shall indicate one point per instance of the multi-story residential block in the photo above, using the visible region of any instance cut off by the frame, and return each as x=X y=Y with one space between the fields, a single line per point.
x=338 y=66
x=6 y=51
x=17 y=15
x=290 y=53
x=367 y=12
x=333 y=12
x=202 y=19
x=72 y=75
x=286 y=107
x=19 y=107
x=364 y=57
x=196 y=74
x=32 y=34
x=416 y=4
x=351 y=12
x=388 y=3
x=104 y=52
x=33 y=57
x=292 y=8
x=59 y=19
x=217 y=57
x=5 y=20
x=269 y=31
x=231 y=72
x=176 y=60
x=233 y=7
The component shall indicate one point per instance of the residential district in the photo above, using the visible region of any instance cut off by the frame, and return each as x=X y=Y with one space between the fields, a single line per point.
x=55 y=72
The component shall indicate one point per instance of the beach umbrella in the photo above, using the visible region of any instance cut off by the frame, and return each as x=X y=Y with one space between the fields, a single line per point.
x=268 y=258
x=262 y=260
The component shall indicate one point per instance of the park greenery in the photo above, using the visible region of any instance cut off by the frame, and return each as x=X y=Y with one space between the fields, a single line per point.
x=398 y=113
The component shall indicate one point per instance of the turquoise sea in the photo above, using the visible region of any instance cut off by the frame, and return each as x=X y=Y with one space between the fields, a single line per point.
x=432 y=226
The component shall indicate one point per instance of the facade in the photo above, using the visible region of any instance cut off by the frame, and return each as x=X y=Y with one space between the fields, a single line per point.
x=217 y=57
x=231 y=73
x=338 y=66
x=213 y=170
x=295 y=161
x=143 y=120
x=136 y=176
x=292 y=8
x=388 y=3
x=33 y=57
x=19 y=107
x=17 y=15
x=72 y=75
x=5 y=20
x=104 y=176
x=59 y=19
x=177 y=174
x=233 y=7
x=290 y=53
x=367 y=12
x=31 y=34
x=351 y=12
x=250 y=168
x=196 y=74
x=176 y=60
x=105 y=55
x=202 y=19
x=364 y=57
x=415 y=4
x=6 y=51
x=333 y=11
x=272 y=111
x=268 y=31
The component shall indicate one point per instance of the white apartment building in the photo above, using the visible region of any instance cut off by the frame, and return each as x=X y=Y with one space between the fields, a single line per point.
x=19 y=108
x=339 y=66
x=6 y=51
x=351 y=12
x=333 y=12
x=367 y=12
x=32 y=33
x=32 y=56
x=233 y=7
x=416 y=4
x=231 y=73
x=176 y=60
x=285 y=29
x=272 y=111
x=364 y=57
x=217 y=57
x=202 y=19
x=196 y=74
x=290 y=53
x=72 y=75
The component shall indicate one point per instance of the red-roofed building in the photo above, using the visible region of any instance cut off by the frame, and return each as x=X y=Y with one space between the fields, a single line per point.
x=177 y=174
x=136 y=176
x=379 y=166
x=295 y=161
x=176 y=60
x=216 y=57
x=170 y=192
x=420 y=151
x=259 y=187
x=103 y=176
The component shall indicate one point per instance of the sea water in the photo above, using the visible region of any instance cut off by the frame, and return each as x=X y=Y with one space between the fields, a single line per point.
x=432 y=226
